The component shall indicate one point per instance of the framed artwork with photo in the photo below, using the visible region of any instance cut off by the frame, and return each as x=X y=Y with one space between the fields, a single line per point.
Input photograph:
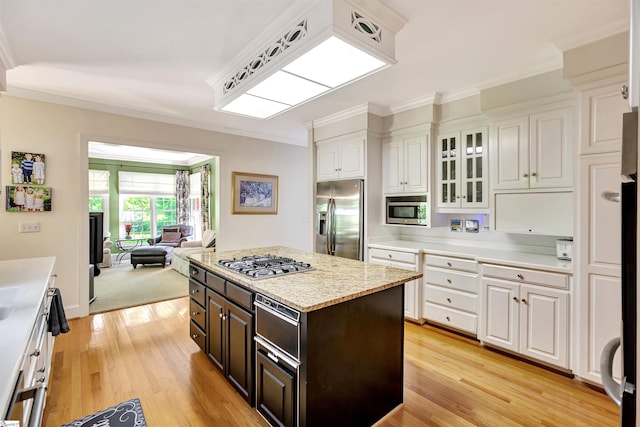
x=27 y=168
x=254 y=194
x=28 y=198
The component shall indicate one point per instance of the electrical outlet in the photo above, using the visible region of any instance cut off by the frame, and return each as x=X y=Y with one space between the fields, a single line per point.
x=29 y=227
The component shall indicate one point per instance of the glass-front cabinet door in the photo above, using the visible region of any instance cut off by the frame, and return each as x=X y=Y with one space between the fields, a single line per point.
x=448 y=170
x=474 y=169
x=462 y=170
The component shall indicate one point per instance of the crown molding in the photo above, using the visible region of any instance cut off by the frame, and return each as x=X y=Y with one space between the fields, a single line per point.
x=597 y=34
x=146 y=115
x=339 y=116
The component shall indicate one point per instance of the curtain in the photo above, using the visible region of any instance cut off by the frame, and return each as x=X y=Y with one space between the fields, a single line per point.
x=183 y=206
x=205 y=171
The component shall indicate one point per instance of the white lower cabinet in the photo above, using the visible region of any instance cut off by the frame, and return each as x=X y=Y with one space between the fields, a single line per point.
x=406 y=261
x=451 y=292
x=526 y=312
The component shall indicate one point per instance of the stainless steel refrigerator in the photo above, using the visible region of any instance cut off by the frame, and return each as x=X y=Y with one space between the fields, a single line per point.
x=624 y=394
x=339 y=218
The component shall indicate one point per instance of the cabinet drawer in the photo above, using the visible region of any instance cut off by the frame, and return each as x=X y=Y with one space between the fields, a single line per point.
x=240 y=296
x=451 y=298
x=453 y=263
x=196 y=290
x=196 y=312
x=544 y=278
x=197 y=273
x=215 y=282
x=197 y=335
x=397 y=256
x=451 y=279
x=453 y=318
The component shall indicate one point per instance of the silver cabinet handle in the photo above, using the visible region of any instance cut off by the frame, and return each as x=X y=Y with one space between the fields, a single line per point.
x=611 y=196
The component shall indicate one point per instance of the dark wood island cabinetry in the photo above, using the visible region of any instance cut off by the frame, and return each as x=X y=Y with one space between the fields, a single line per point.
x=335 y=357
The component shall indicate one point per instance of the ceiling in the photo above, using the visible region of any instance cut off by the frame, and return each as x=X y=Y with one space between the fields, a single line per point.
x=151 y=58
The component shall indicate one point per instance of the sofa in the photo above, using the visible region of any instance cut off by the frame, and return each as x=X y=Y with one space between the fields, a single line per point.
x=180 y=261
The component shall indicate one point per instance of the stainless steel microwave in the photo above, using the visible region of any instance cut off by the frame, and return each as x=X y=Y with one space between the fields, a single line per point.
x=407 y=210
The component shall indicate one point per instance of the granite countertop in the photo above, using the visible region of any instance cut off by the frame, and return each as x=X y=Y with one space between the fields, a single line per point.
x=482 y=254
x=23 y=285
x=334 y=279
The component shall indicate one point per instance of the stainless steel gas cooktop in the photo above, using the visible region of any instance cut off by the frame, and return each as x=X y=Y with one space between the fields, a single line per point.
x=264 y=266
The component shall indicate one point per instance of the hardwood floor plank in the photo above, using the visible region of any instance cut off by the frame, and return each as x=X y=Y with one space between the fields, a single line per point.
x=450 y=380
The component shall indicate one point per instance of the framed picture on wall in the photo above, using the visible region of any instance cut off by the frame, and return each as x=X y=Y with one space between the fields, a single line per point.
x=28 y=198
x=27 y=168
x=254 y=194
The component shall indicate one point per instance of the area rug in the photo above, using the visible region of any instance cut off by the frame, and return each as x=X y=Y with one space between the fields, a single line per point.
x=122 y=286
x=125 y=414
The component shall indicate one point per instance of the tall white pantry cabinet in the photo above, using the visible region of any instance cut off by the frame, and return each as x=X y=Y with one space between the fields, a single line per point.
x=598 y=238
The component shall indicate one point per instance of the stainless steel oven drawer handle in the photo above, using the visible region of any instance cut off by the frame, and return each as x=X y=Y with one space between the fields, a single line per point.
x=277 y=353
x=275 y=313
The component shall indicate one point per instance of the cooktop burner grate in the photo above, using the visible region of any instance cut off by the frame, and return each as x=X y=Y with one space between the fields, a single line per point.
x=264 y=266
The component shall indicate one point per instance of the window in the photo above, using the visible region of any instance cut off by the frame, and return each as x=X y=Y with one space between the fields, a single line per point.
x=147 y=203
x=99 y=193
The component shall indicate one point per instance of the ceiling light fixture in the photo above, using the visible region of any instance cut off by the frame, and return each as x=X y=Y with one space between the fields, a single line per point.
x=333 y=43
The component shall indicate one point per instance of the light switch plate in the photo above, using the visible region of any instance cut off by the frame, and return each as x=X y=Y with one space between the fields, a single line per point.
x=29 y=227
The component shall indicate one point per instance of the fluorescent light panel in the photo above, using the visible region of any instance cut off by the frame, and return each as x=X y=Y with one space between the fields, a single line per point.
x=327 y=66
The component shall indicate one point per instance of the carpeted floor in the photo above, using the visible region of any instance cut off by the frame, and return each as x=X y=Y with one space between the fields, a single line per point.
x=121 y=286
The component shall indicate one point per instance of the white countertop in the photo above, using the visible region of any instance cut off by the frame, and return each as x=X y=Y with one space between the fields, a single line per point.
x=334 y=279
x=23 y=285
x=481 y=254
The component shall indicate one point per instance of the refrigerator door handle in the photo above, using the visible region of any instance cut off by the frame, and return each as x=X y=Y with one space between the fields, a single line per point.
x=332 y=227
x=329 y=225
x=611 y=386
x=611 y=196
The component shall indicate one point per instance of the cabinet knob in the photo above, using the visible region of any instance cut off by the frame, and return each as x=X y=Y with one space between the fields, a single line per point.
x=448 y=319
x=194 y=313
x=390 y=256
x=449 y=281
x=515 y=299
x=195 y=336
x=194 y=291
x=524 y=301
x=520 y=276
x=533 y=174
x=526 y=175
x=36 y=353
x=221 y=316
x=449 y=300
x=41 y=379
x=464 y=197
x=449 y=264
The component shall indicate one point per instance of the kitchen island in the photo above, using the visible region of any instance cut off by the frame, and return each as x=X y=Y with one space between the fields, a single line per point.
x=336 y=355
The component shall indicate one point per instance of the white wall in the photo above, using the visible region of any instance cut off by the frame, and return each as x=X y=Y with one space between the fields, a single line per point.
x=61 y=133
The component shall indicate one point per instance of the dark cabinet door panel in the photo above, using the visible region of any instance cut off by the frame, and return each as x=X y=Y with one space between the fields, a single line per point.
x=275 y=398
x=240 y=341
x=215 y=331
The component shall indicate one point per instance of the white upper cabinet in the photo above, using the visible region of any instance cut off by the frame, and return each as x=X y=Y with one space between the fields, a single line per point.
x=404 y=166
x=341 y=159
x=601 y=113
x=533 y=151
x=462 y=169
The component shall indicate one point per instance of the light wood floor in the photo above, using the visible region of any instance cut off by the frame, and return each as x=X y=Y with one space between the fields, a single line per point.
x=450 y=380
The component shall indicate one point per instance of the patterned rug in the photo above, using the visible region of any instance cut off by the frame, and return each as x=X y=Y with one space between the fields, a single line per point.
x=125 y=414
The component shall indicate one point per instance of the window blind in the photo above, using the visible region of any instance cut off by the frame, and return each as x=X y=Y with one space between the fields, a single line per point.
x=98 y=183
x=147 y=184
